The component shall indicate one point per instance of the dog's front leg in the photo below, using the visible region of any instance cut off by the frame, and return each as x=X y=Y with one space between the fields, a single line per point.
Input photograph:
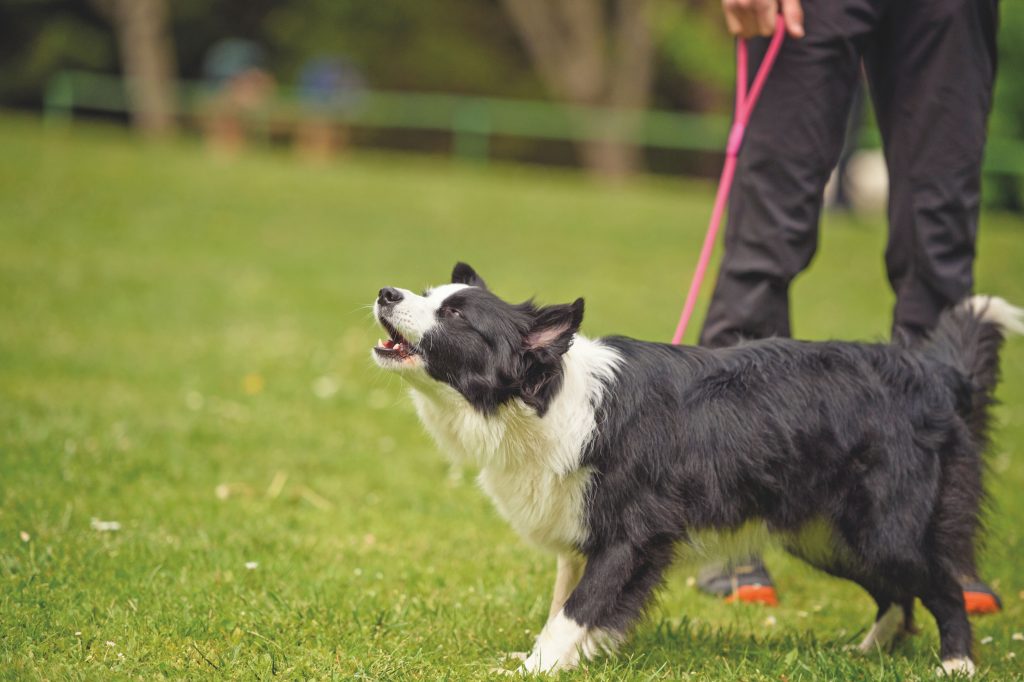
x=559 y=645
x=567 y=577
x=570 y=570
x=612 y=592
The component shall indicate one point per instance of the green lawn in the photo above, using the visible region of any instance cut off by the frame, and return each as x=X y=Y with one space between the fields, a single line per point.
x=184 y=349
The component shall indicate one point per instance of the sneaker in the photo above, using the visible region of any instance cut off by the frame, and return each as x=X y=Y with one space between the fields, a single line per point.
x=979 y=598
x=747 y=582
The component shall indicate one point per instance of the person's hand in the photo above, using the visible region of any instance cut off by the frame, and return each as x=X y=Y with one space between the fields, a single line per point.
x=749 y=18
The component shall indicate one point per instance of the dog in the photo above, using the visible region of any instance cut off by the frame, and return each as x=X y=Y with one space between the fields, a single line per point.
x=864 y=460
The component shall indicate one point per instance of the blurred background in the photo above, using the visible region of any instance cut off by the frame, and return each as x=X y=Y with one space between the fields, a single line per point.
x=611 y=87
x=202 y=472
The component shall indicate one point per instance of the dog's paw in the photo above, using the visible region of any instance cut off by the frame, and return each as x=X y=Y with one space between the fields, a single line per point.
x=539 y=665
x=557 y=646
x=956 y=667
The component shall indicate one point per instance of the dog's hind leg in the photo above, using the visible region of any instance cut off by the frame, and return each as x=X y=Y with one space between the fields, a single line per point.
x=614 y=589
x=944 y=598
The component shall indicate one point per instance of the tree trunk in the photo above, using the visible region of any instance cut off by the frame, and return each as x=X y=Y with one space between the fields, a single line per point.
x=147 y=61
x=610 y=159
x=588 y=59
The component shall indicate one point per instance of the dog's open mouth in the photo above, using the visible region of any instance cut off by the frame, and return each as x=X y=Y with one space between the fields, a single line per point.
x=396 y=347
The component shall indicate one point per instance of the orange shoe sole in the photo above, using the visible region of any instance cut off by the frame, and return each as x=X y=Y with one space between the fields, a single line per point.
x=754 y=594
x=979 y=603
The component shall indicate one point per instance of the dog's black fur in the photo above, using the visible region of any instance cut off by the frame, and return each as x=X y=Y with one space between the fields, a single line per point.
x=882 y=443
x=873 y=439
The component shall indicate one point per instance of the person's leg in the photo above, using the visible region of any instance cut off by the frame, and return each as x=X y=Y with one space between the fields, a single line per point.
x=791 y=145
x=790 y=148
x=931 y=71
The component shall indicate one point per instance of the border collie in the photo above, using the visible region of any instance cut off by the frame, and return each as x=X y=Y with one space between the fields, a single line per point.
x=862 y=459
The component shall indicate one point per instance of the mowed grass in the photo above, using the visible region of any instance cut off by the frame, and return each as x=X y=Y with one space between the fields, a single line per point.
x=184 y=349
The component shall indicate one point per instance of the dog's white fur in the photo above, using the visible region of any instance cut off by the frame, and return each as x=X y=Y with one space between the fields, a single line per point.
x=416 y=314
x=529 y=465
x=563 y=642
x=567 y=577
x=884 y=630
x=998 y=311
x=957 y=666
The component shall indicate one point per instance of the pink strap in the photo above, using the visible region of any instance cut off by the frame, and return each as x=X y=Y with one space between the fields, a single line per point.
x=746 y=100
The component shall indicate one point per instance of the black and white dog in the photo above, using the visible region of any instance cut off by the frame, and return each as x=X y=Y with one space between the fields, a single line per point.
x=612 y=453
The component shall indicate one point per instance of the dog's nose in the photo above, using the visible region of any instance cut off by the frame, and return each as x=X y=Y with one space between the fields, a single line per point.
x=389 y=296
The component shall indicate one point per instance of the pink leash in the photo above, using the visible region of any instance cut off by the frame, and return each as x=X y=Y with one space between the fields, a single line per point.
x=745 y=103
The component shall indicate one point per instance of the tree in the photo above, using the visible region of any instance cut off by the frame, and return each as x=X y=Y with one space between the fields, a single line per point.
x=147 y=60
x=593 y=55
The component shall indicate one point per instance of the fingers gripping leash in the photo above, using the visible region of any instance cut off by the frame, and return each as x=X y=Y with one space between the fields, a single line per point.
x=746 y=100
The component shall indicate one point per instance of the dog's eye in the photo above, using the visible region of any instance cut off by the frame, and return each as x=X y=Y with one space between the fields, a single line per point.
x=450 y=312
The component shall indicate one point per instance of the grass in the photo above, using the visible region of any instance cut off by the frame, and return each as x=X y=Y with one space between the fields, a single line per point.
x=184 y=350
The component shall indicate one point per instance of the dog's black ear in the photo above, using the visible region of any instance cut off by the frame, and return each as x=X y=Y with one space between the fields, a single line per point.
x=553 y=328
x=550 y=336
x=464 y=274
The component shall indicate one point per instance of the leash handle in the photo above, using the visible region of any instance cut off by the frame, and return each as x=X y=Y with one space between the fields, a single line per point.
x=746 y=100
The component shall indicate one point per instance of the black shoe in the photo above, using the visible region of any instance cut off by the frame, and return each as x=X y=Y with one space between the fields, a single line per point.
x=747 y=582
x=979 y=598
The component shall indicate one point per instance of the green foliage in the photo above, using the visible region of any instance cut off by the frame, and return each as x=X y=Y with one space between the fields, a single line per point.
x=446 y=45
x=693 y=40
x=1008 y=115
x=184 y=348
x=38 y=38
x=1008 y=108
x=461 y=46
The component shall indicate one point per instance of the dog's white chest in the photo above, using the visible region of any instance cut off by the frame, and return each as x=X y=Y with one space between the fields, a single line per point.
x=546 y=508
x=533 y=479
x=530 y=465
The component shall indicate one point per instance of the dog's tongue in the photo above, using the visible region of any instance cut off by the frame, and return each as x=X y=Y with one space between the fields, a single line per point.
x=389 y=344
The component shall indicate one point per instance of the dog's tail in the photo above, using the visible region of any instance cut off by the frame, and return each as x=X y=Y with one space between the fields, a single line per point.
x=965 y=349
x=968 y=338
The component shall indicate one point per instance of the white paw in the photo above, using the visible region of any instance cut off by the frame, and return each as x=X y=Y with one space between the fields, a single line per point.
x=547 y=660
x=557 y=647
x=563 y=643
x=883 y=631
x=956 y=666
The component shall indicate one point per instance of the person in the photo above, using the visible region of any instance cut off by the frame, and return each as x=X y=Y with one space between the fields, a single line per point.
x=239 y=88
x=930 y=65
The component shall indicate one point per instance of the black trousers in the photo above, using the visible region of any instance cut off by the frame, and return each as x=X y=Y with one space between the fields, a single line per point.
x=930 y=65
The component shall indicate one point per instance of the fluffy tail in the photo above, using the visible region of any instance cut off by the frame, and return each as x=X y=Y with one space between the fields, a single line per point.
x=966 y=345
x=968 y=338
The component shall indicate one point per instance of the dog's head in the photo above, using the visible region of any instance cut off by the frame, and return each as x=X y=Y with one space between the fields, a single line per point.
x=464 y=336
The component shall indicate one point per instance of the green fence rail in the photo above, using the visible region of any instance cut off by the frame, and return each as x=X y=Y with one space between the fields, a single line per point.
x=471 y=121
